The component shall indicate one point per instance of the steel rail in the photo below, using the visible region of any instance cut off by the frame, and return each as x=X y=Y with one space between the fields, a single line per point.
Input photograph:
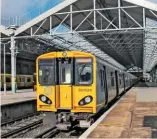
x=18 y=119
x=45 y=132
x=52 y=134
x=10 y=133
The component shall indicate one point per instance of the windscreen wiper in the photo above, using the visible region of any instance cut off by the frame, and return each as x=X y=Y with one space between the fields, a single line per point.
x=82 y=69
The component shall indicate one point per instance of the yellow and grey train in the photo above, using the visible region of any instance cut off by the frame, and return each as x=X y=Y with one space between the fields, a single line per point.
x=77 y=85
x=22 y=81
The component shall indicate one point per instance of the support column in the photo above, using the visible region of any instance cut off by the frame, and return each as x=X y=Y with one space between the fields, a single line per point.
x=13 y=72
x=94 y=7
x=0 y=68
x=119 y=14
x=4 y=64
x=50 y=25
x=144 y=18
x=71 y=19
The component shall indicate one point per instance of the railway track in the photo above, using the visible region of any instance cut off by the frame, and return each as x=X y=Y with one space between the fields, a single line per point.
x=56 y=133
x=18 y=119
x=48 y=133
x=30 y=124
x=5 y=133
x=53 y=132
x=19 y=125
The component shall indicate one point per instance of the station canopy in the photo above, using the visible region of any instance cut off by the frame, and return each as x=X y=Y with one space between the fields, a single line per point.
x=125 y=30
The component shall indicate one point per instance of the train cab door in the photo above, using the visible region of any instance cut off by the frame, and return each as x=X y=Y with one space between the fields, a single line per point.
x=65 y=83
x=105 y=85
x=117 y=82
x=124 y=81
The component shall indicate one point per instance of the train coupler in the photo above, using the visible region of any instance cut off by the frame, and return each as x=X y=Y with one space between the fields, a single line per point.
x=84 y=123
x=63 y=126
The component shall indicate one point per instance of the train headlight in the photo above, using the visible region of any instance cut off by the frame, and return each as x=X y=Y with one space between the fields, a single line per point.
x=81 y=103
x=87 y=99
x=43 y=98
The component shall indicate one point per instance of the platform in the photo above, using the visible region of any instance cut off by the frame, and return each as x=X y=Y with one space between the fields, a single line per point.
x=134 y=116
x=19 y=96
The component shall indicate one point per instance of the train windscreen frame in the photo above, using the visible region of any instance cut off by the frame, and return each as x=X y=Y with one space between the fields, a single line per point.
x=46 y=71
x=83 y=71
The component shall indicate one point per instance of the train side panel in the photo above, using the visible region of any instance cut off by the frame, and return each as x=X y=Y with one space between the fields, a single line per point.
x=101 y=96
x=126 y=80
x=111 y=83
x=28 y=81
x=120 y=82
x=22 y=81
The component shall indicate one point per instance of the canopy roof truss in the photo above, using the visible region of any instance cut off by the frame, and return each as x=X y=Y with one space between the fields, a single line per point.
x=120 y=28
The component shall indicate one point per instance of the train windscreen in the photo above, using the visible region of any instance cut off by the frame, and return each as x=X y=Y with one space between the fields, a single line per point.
x=83 y=71
x=46 y=72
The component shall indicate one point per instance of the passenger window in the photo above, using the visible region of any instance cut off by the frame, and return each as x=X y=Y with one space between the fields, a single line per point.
x=8 y=79
x=120 y=81
x=102 y=77
x=112 y=79
x=66 y=75
x=111 y=73
x=22 y=79
x=2 y=78
x=85 y=74
x=28 y=79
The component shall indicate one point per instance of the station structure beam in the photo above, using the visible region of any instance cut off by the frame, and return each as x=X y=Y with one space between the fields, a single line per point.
x=118 y=28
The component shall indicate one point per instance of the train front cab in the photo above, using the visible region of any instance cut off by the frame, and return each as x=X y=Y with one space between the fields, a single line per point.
x=66 y=84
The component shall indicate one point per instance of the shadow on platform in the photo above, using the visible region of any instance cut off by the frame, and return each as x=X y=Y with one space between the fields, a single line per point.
x=146 y=84
x=151 y=121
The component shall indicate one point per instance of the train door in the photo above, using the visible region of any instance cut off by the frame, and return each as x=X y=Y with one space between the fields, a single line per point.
x=65 y=83
x=105 y=85
x=124 y=81
x=117 y=83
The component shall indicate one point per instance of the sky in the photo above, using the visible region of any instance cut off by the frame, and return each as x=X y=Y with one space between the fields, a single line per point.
x=17 y=7
x=12 y=8
x=155 y=1
x=26 y=10
x=21 y=7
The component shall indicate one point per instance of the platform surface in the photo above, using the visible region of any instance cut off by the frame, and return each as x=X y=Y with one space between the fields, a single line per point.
x=135 y=116
x=19 y=96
